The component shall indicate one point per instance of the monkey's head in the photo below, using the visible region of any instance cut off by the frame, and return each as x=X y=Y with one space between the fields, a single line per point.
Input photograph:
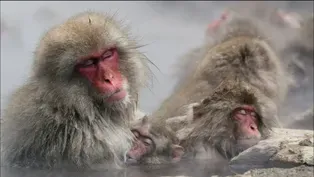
x=91 y=56
x=231 y=120
x=213 y=26
x=226 y=17
x=154 y=144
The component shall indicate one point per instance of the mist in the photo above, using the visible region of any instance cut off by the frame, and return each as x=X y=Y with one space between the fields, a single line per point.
x=23 y=23
x=167 y=29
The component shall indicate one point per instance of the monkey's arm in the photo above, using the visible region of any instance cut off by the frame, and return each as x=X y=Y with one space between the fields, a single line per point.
x=180 y=122
x=45 y=143
x=26 y=147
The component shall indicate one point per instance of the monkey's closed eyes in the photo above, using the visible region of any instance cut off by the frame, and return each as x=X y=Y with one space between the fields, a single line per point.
x=153 y=145
x=88 y=63
x=147 y=141
x=93 y=60
x=107 y=54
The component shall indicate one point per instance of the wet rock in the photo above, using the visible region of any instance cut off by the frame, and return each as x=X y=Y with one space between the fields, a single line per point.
x=285 y=147
x=306 y=142
x=294 y=153
x=301 y=171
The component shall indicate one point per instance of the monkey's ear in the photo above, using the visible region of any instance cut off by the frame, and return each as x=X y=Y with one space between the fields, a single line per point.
x=177 y=152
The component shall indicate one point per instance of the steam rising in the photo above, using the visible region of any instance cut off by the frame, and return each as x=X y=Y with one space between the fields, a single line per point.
x=170 y=29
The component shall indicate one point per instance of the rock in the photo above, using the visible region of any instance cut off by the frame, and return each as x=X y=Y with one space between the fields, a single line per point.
x=306 y=142
x=294 y=153
x=301 y=171
x=285 y=147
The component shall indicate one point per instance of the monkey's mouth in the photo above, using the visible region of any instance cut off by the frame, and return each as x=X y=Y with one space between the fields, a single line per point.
x=118 y=95
x=129 y=159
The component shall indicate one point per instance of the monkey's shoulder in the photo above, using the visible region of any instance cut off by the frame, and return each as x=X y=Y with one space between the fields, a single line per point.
x=30 y=102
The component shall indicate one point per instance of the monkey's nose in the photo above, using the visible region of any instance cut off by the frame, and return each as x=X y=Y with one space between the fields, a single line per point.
x=108 y=78
x=108 y=81
x=253 y=128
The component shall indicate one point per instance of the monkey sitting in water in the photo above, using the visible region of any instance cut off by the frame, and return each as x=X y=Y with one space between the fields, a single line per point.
x=243 y=79
x=155 y=143
x=231 y=120
x=76 y=107
x=234 y=118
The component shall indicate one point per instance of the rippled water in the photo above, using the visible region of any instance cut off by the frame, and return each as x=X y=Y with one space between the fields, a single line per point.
x=196 y=169
x=185 y=168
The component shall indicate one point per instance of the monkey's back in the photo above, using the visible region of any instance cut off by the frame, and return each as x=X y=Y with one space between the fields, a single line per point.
x=33 y=133
x=247 y=58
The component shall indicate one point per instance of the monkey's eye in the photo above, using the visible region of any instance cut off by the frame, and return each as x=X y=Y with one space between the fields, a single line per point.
x=107 y=54
x=253 y=114
x=88 y=62
x=242 y=111
x=147 y=142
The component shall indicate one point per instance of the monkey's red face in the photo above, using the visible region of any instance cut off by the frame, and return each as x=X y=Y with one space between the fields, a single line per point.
x=246 y=118
x=142 y=145
x=102 y=71
x=145 y=149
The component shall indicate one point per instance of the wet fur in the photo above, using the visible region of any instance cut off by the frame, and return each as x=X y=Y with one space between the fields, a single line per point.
x=242 y=57
x=162 y=136
x=56 y=118
x=214 y=127
x=239 y=50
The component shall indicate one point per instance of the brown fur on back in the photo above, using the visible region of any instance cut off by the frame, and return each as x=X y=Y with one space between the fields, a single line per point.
x=240 y=51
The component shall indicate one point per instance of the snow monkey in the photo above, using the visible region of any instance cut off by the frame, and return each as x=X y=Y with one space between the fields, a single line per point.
x=76 y=107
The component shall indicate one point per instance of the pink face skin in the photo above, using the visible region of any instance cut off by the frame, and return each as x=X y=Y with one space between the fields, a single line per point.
x=142 y=145
x=247 y=120
x=102 y=70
